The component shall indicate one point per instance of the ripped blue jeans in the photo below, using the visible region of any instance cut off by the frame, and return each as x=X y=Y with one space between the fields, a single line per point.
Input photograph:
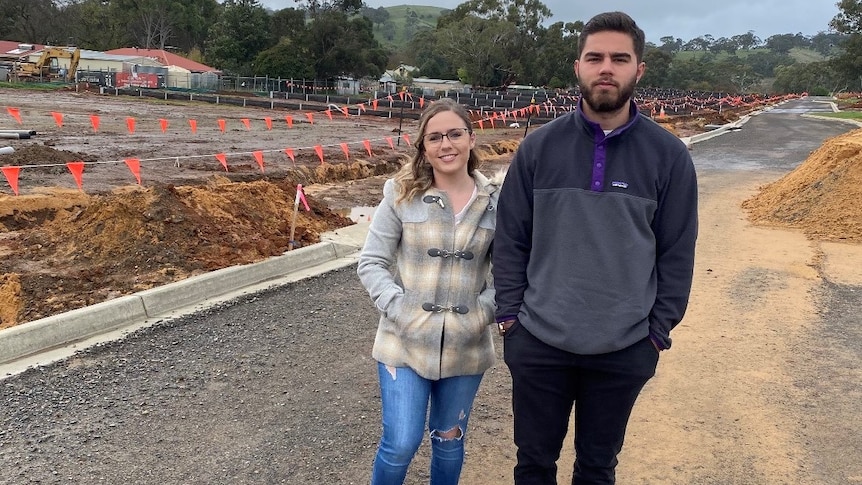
x=406 y=397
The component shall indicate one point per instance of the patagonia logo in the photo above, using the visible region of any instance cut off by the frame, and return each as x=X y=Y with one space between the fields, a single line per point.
x=620 y=185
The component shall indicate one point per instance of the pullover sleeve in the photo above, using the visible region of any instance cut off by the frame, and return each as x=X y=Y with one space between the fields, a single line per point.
x=513 y=236
x=675 y=227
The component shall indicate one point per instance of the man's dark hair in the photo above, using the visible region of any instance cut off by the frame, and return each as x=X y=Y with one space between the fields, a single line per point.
x=616 y=22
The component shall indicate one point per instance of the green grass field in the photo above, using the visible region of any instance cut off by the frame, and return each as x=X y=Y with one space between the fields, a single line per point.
x=426 y=18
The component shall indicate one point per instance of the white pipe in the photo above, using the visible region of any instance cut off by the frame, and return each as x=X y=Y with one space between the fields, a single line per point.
x=6 y=150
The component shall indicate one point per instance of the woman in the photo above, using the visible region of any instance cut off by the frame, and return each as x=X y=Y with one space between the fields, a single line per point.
x=426 y=266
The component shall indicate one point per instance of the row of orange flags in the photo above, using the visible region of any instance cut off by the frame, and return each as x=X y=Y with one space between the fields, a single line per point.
x=76 y=168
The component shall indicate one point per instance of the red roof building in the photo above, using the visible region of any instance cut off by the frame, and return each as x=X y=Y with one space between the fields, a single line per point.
x=164 y=57
x=14 y=51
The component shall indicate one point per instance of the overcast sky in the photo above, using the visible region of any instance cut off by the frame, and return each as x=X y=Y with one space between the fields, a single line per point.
x=684 y=19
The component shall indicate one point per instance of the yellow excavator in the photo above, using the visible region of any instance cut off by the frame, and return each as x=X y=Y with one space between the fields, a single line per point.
x=47 y=67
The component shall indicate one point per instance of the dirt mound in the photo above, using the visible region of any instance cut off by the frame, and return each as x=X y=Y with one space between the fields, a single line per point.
x=30 y=155
x=821 y=196
x=93 y=248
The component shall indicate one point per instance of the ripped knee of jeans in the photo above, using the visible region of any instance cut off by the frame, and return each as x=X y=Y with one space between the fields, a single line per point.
x=454 y=433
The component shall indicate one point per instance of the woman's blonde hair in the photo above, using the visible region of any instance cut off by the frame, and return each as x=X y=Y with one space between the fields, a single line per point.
x=416 y=176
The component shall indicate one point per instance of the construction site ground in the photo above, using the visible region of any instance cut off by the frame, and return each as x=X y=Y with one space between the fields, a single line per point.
x=776 y=260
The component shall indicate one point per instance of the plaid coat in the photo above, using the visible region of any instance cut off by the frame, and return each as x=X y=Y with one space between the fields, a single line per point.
x=430 y=280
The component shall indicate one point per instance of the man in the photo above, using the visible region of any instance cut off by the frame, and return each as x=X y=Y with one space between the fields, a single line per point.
x=592 y=261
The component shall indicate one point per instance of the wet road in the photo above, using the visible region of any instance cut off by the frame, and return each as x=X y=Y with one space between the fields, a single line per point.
x=779 y=139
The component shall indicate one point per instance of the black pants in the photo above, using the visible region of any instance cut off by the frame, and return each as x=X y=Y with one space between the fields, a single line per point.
x=547 y=382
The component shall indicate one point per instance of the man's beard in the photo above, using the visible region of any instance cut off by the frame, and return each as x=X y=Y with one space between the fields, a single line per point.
x=607 y=102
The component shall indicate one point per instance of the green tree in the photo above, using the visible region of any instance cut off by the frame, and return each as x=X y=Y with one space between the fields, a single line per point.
x=687 y=74
x=190 y=21
x=670 y=45
x=658 y=64
x=317 y=7
x=388 y=30
x=764 y=62
x=812 y=77
x=343 y=46
x=782 y=43
x=848 y=64
x=482 y=49
x=32 y=21
x=286 y=23
x=94 y=25
x=424 y=53
x=526 y=15
x=555 y=57
x=826 y=43
x=238 y=35
x=747 y=40
x=287 y=59
x=378 y=16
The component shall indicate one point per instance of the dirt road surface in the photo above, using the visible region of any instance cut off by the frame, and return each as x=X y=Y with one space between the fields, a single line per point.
x=761 y=386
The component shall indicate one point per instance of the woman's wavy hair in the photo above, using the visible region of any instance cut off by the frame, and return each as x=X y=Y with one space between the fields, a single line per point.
x=416 y=176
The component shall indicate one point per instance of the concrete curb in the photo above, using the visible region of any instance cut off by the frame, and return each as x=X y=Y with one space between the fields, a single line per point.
x=43 y=334
x=31 y=338
x=830 y=118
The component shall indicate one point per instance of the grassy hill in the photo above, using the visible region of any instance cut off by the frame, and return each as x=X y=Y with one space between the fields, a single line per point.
x=405 y=20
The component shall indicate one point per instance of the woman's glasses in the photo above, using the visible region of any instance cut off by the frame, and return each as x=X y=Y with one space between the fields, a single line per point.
x=453 y=135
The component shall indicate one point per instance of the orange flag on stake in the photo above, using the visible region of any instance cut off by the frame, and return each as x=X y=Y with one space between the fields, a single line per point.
x=367 y=145
x=391 y=144
x=221 y=125
x=421 y=102
x=289 y=152
x=482 y=125
x=319 y=150
x=77 y=169
x=346 y=150
x=58 y=118
x=11 y=174
x=130 y=124
x=406 y=137
x=164 y=124
x=223 y=160
x=135 y=166
x=258 y=155
x=329 y=113
x=268 y=122
x=194 y=125
x=247 y=123
x=374 y=104
x=289 y=120
x=15 y=113
x=346 y=112
x=310 y=117
x=94 y=120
